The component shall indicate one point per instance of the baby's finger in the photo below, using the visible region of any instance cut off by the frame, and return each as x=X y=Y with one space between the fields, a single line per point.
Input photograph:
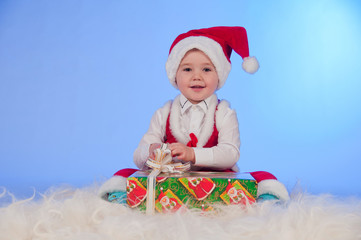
x=181 y=156
x=175 y=152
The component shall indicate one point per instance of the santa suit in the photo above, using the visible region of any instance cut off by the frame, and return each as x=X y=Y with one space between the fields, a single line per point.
x=202 y=187
x=236 y=196
x=186 y=118
x=135 y=194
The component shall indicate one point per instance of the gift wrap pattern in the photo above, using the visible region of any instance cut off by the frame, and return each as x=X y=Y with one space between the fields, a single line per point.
x=191 y=189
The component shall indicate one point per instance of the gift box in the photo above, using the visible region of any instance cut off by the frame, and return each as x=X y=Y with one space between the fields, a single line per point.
x=172 y=191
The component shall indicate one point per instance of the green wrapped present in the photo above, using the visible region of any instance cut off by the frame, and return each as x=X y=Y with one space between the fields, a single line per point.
x=171 y=191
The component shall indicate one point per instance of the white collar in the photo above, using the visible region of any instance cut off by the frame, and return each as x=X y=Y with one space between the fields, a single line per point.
x=186 y=104
x=207 y=129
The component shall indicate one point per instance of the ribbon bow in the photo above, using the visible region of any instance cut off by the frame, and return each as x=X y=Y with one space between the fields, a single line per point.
x=161 y=163
x=194 y=140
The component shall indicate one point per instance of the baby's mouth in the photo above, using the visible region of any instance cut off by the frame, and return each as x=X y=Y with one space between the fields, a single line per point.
x=197 y=87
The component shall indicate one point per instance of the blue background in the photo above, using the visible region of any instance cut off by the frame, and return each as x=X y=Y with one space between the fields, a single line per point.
x=80 y=80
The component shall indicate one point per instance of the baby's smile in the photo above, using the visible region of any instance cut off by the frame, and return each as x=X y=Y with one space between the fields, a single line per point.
x=197 y=86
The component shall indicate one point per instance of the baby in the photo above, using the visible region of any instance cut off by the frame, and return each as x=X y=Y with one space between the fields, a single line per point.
x=198 y=127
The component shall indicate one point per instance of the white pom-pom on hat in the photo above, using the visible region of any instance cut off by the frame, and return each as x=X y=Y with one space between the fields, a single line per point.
x=250 y=64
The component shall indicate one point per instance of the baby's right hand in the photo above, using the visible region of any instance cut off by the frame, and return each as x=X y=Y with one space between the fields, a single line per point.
x=152 y=147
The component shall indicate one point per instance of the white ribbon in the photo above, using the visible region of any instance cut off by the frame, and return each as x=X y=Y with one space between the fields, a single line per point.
x=161 y=163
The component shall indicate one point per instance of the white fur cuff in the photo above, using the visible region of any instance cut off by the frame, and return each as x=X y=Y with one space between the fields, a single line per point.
x=274 y=187
x=115 y=183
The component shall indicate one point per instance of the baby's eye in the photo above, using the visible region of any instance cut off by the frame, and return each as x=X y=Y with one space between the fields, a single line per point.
x=207 y=69
x=187 y=69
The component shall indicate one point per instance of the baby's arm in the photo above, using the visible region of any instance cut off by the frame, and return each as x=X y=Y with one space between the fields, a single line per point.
x=226 y=154
x=152 y=138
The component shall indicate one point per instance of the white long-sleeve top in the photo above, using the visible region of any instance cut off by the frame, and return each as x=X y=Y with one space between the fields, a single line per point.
x=186 y=118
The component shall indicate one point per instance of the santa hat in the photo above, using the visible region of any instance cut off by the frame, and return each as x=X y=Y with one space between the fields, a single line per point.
x=268 y=184
x=217 y=43
x=229 y=186
x=161 y=194
x=117 y=183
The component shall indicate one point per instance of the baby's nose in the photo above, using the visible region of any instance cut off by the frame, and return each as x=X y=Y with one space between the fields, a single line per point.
x=197 y=75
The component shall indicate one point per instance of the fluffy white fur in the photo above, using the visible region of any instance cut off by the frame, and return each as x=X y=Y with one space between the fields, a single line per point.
x=175 y=124
x=114 y=184
x=209 y=120
x=81 y=214
x=274 y=187
x=250 y=64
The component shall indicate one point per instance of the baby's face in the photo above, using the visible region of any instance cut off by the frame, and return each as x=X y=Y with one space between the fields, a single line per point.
x=196 y=77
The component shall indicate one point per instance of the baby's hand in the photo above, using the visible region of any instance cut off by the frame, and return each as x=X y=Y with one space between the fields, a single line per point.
x=152 y=147
x=182 y=152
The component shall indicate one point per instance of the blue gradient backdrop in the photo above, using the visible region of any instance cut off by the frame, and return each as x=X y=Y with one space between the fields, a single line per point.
x=80 y=80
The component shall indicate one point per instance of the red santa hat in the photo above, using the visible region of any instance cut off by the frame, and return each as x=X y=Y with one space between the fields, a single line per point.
x=217 y=43
x=161 y=194
x=117 y=183
x=268 y=184
x=229 y=186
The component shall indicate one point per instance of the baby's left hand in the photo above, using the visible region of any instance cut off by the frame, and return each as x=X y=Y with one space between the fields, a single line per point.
x=182 y=152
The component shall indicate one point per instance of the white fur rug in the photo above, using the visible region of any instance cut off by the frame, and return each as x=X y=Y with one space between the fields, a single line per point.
x=80 y=214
